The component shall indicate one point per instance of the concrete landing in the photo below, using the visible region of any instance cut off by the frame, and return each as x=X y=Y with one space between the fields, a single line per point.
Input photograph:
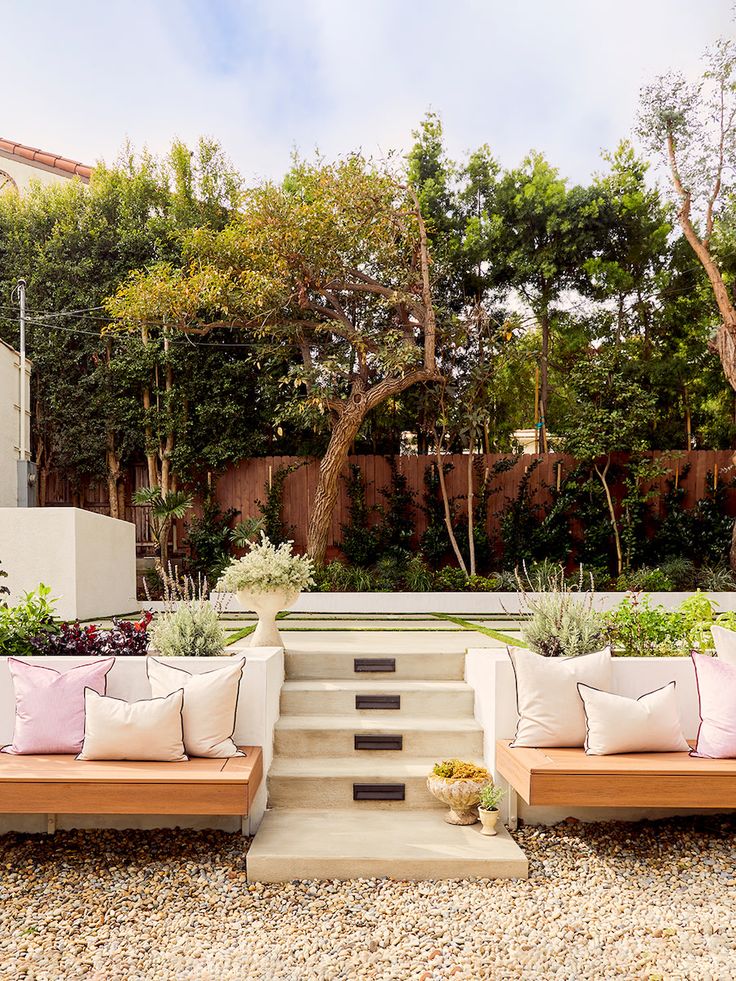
x=338 y=844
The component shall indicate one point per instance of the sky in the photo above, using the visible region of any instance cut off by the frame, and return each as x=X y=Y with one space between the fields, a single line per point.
x=266 y=77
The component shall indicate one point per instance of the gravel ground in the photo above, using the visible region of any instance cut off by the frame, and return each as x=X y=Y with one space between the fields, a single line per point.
x=652 y=901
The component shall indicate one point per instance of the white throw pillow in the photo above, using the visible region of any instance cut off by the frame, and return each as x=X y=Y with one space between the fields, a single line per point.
x=725 y=641
x=617 y=724
x=150 y=729
x=550 y=710
x=210 y=703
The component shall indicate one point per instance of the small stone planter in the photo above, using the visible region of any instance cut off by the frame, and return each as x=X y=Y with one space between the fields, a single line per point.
x=461 y=796
x=488 y=819
x=267 y=605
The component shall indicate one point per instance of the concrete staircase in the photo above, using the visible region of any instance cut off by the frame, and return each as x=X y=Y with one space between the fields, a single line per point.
x=347 y=792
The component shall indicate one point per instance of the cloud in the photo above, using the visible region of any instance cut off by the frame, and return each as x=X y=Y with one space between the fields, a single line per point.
x=265 y=77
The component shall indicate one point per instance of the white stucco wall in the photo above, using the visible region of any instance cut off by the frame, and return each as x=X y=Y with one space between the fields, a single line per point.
x=256 y=716
x=490 y=674
x=9 y=423
x=24 y=174
x=87 y=559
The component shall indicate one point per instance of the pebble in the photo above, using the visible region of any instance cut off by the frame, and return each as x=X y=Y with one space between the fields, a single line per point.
x=655 y=900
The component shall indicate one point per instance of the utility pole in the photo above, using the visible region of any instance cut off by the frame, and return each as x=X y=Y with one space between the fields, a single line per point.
x=22 y=400
x=26 y=469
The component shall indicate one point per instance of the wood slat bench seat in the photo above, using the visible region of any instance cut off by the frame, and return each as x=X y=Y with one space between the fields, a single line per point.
x=65 y=785
x=568 y=777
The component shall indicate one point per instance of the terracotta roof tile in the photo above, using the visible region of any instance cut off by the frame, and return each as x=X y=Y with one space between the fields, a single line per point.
x=52 y=160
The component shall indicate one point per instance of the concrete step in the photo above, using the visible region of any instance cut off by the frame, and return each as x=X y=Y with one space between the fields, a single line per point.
x=334 y=735
x=345 y=844
x=426 y=665
x=319 y=782
x=448 y=699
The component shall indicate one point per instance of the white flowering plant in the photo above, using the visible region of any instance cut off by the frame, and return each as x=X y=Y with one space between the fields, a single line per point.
x=267 y=568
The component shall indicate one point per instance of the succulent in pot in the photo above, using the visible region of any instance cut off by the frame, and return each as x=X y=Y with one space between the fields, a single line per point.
x=490 y=798
x=267 y=580
x=458 y=784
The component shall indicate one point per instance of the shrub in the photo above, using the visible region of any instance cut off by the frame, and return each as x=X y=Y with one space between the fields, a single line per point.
x=562 y=622
x=32 y=617
x=191 y=630
x=645 y=580
x=126 y=638
x=716 y=578
x=450 y=580
x=681 y=572
x=267 y=567
x=637 y=629
x=210 y=538
x=360 y=538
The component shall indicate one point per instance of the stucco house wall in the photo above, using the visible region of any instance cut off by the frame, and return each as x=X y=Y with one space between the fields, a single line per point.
x=10 y=422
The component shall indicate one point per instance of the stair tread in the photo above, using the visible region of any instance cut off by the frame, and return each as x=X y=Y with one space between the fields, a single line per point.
x=381 y=770
x=373 y=685
x=342 y=844
x=378 y=722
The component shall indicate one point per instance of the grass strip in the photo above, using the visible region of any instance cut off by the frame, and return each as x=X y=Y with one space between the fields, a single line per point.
x=488 y=631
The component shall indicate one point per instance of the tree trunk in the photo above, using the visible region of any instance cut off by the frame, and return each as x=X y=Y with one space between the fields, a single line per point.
x=113 y=476
x=612 y=513
x=544 y=380
x=446 y=504
x=328 y=482
x=471 y=530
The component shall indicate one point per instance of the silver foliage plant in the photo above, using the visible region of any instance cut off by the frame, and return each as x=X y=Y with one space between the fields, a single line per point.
x=190 y=624
x=563 y=621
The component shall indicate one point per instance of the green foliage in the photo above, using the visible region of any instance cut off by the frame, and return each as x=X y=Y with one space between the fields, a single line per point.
x=361 y=541
x=272 y=510
x=210 y=537
x=638 y=629
x=397 y=530
x=460 y=770
x=30 y=618
x=491 y=796
x=268 y=567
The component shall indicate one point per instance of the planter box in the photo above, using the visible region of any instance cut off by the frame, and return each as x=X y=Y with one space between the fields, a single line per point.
x=455 y=603
x=491 y=676
x=257 y=713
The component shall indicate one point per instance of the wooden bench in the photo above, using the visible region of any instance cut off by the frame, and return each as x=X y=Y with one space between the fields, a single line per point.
x=567 y=777
x=54 y=785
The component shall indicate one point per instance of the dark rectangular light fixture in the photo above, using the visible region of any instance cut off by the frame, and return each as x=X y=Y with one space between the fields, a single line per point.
x=374 y=664
x=378 y=701
x=378 y=741
x=378 y=791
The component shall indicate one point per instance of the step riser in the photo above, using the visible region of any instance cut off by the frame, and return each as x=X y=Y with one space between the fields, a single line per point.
x=441 y=704
x=314 y=666
x=301 y=742
x=309 y=793
x=295 y=866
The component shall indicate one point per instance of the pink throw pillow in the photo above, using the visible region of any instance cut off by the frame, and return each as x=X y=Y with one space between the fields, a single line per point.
x=716 y=680
x=49 y=705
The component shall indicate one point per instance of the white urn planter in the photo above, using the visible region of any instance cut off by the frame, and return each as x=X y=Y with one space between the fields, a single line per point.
x=267 y=605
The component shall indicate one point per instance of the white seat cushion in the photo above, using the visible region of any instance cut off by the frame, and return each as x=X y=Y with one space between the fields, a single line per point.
x=210 y=703
x=150 y=729
x=617 y=724
x=550 y=710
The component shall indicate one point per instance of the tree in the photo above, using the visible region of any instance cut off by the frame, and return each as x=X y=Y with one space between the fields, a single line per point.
x=695 y=124
x=332 y=265
x=610 y=413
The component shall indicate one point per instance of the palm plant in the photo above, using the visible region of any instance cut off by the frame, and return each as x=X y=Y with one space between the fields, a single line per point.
x=164 y=509
x=247 y=531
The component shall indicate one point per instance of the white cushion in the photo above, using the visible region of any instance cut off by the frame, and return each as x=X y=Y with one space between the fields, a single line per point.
x=550 y=710
x=617 y=724
x=210 y=703
x=150 y=729
x=725 y=641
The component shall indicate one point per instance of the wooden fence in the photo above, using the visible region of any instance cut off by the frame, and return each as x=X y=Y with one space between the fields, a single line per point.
x=247 y=482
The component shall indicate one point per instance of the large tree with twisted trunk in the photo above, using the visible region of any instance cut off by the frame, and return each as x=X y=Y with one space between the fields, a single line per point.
x=694 y=125
x=332 y=265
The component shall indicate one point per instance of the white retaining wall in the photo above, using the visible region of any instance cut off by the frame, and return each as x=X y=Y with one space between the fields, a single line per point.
x=87 y=559
x=454 y=603
x=257 y=713
x=490 y=674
